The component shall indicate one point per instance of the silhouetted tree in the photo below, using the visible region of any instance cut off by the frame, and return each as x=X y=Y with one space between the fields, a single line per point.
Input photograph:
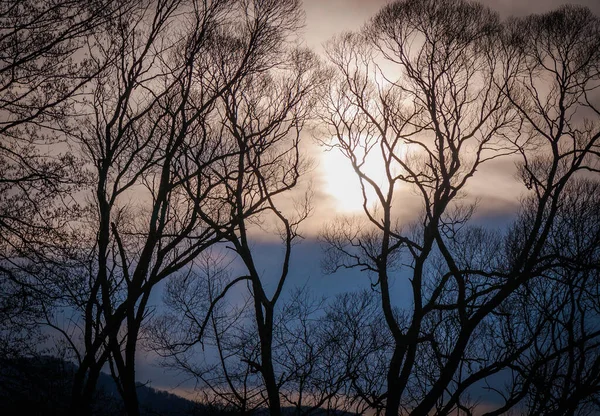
x=322 y=350
x=267 y=130
x=264 y=115
x=332 y=349
x=44 y=68
x=197 y=299
x=431 y=90
x=151 y=142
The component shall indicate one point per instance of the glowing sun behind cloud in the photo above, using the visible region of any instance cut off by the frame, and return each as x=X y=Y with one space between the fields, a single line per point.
x=341 y=181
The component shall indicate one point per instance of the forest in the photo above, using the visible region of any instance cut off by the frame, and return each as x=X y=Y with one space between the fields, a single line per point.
x=153 y=154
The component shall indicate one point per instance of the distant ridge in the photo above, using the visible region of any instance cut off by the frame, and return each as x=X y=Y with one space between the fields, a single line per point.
x=40 y=386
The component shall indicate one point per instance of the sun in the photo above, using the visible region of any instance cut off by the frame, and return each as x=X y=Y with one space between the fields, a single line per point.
x=341 y=181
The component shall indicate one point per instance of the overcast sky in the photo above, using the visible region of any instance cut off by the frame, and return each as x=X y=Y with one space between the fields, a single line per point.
x=497 y=190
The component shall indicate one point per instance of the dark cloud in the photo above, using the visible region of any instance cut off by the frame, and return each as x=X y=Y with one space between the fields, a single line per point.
x=326 y=18
x=508 y=8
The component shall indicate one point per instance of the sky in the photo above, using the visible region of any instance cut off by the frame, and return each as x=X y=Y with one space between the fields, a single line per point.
x=332 y=179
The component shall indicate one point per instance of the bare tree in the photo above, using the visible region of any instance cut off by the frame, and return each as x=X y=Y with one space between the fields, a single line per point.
x=267 y=131
x=431 y=90
x=322 y=350
x=151 y=141
x=537 y=352
x=263 y=115
x=219 y=361
x=331 y=351
x=43 y=69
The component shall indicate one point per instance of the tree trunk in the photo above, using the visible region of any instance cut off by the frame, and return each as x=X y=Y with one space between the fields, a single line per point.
x=270 y=382
x=127 y=370
x=393 y=385
x=83 y=391
x=265 y=332
x=130 y=398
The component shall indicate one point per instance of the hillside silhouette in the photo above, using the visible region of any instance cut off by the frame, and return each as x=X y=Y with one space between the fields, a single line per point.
x=40 y=386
